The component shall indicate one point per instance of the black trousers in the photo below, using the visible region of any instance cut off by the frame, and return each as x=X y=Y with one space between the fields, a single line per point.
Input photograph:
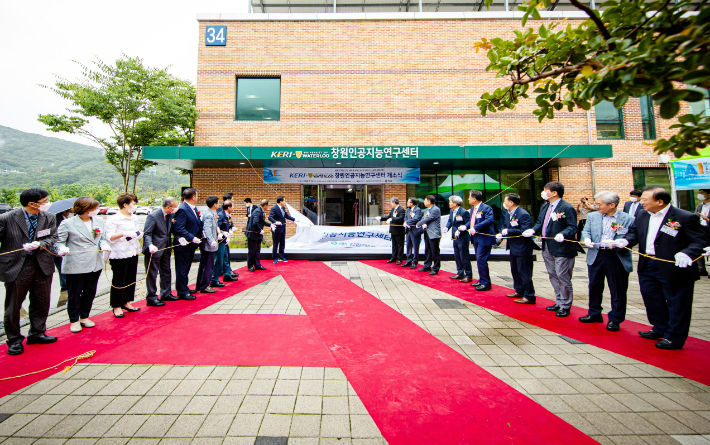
x=580 y=227
x=433 y=253
x=82 y=290
x=158 y=265
x=413 y=242
x=204 y=272
x=608 y=265
x=183 y=263
x=124 y=271
x=397 y=247
x=30 y=279
x=668 y=306
x=521 y=268
x=279 y=240
x=463 y=260
x=254 y=252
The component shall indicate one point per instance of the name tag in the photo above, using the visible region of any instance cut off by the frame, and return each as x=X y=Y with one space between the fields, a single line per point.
x=42 y=233
x=459 y=218
x=668 y=231
x=622 y=231
x=514 y=224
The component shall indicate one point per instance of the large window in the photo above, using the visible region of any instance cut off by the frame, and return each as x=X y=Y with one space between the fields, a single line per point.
x=610 y=121
x=648 y=122
x=258 y=99
x=701 y=107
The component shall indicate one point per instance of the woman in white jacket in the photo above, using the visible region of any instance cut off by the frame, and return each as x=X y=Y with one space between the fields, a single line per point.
x=83 y=235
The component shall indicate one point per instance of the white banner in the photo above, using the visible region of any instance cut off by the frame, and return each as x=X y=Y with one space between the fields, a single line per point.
x=341 y=175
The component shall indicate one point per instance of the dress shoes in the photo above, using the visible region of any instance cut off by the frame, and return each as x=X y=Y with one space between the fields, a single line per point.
x=188 y=297
x=235 y=274
x=456 y=277
x=413 y=266
x=121 y=315
x=553 y=308
x=251 y=269
x=592 y=319
x=390 y=261
x=434 y=272
x=651 y=335
x=284 y=260
x=41 y=339
x=169 y=298
x=86 y=323
x=474 y=283
x=425 y=269
x=406 y=264
x=613 y=327
x=217 y=284
x=482 y=288
x=515 y=295
x=133 y=309
x=466 y=280
x=276 y=261
x=523 y=301
x=75 y=327
x=399 y=263
x=208 y=290
x=156 y=303
x=562 y=313
x=15 y=349
x=227 y=278
x=193 y=291
x=260 y=268
x=664 y=343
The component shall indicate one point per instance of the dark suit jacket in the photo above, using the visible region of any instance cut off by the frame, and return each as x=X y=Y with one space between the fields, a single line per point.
x=518 y=246
x=13 y=234
x=251 y=209
x=485 y=223
x=224 y=222
x=453 y=225
x=187 y=225
x=691 y=240
x=699 y=209
x=157 y=232
x=397 y=223
x=565 y=224
x=276 y=215
x=412 y=217
x=627 y=206
x=256 y=224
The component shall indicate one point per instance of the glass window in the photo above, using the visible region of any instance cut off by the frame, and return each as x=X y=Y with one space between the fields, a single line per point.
x=610 y=121
x=426 y=186
x=701 y=107
x=463 y=181
x=648 y=121
x=258 y=99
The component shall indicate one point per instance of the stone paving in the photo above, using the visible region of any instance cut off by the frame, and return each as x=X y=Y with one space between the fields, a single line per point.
x=614 y=399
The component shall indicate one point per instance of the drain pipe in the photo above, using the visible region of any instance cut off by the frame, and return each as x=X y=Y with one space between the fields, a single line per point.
x=591 y=163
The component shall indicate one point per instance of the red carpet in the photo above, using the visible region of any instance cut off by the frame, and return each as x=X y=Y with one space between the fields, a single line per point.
x=228 y=340
x=693 y=361
x=111 y=332
x=417 y=389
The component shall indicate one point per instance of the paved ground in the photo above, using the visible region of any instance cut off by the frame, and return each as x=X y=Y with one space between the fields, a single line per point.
x=613 y=399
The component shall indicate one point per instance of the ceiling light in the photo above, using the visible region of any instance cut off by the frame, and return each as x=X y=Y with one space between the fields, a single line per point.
x=338 y=163
x=251 y=96
x=436 y=163
x=241 y=163
x=260 y=108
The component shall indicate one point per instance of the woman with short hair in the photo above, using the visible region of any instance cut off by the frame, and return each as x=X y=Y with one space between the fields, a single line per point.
x=83 y=235
x=123 y=232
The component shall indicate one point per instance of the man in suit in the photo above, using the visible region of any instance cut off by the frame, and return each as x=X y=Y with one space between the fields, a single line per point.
x=30 y=230
x=413 y=233
x=633 y=206
x=396 y=221
x=606 y=261
x=187 y=231
x=250 y=207
x=672 y=234
x=558 y=220
x=459 y=217
x=703 y=211
x=222 y=266
x=278 y=216
x=431 y=223
x=208 y=246
x=255 y=233
x=516 y=220
x=481 y=226
x=156 y=238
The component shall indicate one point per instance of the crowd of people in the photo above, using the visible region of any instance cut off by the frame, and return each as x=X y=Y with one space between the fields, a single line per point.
x=669 y=241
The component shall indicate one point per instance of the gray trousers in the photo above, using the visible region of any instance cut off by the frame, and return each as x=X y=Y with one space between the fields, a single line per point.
x=158 y=266
x=559 y=269
x=31 y=280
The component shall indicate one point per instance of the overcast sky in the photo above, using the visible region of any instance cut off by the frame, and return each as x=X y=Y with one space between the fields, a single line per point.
x=39 y=38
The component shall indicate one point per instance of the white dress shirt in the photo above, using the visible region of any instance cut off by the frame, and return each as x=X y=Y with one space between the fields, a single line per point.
x=121 y=247
x=633 y=207
x=654 y=225
x=704 y=210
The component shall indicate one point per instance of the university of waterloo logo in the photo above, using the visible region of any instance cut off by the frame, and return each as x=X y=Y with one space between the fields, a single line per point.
x=310 y=175
x=299 y=154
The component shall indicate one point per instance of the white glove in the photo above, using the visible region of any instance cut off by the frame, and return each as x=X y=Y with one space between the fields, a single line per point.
x=231 y=231
x=528 y=233
x=63 y=251
x=30 y=246
x=446 y=229
x=588 y=242
x=559 y=237
x=707 y=252
x=220 y=236
x=139 y=234
x=226 y=240
x=213 y=244
x=105 y=247
x=182 y=241
x=131 y=233
x=278 y=223
x=262 y=232
x=272 y=227
x=379 y=218
x=196 y=240
x=152 y=249
x=682 y=260
x=504 y=232
x=424 y=226
x=499 y=237
x=472 y=231
x=462 y=228
x=621 y=243
x=406 y=226
x=389 y=221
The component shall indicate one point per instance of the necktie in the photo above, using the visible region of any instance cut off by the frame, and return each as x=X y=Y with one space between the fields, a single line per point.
x=547 y=220
x=33 y=226
x=167 y=220
x=283 y=212
x=473 y=217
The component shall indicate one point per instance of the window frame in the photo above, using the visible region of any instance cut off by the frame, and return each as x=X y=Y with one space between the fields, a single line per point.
x=622 y=133
x=236 y=99
x=649 y=120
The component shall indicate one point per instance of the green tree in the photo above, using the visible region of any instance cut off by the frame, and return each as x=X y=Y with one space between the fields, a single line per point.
x=10 y=196
x=140 y=105
x=629 y=48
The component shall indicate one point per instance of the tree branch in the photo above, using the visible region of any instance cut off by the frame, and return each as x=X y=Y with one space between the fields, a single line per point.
x=647 y=20
x=595 y=18
x=553 y=73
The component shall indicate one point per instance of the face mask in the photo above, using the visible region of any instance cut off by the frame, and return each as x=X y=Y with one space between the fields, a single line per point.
x=131 y=209
x=701 y=197
x=633 y=199
x=93 y=213
x=544 y=195
x=44 y=207
x=506 y=205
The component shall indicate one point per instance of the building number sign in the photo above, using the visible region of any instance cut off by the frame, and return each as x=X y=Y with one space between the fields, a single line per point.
x=215 y=35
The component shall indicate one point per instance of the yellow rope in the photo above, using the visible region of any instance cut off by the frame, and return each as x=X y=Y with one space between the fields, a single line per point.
x=66 y=369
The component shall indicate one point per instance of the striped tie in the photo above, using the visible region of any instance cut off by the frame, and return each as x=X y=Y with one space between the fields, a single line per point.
x=33 y=226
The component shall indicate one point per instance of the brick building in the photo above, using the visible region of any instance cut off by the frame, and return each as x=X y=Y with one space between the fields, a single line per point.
x=280 y=89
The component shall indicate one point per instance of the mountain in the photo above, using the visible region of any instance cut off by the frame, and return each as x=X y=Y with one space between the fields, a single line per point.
x=31 y=160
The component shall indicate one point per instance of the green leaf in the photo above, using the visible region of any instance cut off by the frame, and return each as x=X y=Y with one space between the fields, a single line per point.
x=669 y=109
x=696 y=77
x=621 y=100
x=542 y=31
